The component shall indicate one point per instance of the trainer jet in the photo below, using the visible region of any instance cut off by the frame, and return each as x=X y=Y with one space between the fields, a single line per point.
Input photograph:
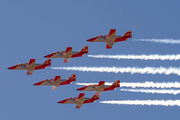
x=68 y=54
x=57 y=81
x=111 y=38
x=80 y=100
x=100 y=87
x=31 y=66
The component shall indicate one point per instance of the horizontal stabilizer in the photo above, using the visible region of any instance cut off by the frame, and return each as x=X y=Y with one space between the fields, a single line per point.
x=96 y=96
x=128 y=34
x=47 y=62
x=85 y=49
x=72 y=77
x=116 y=83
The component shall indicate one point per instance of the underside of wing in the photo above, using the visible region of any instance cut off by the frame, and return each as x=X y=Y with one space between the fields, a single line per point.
x=98 y=93
x=66 y=60
x=78 y=105
x=109 y=45
x=54 y=87
x=29 y=72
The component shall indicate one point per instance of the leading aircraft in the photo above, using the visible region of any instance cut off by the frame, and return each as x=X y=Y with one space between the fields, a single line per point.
x=99 y=88
x=31 y=66
x=68 y=54
x=80 y=100
x=111 y=38
x=57 y=81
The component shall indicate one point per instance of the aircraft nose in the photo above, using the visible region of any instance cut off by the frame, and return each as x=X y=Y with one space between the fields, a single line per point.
x=90 y=40
x=81 y=89
x=61 y=101
x=11 y=68
x=48 y=56
x=39 y=83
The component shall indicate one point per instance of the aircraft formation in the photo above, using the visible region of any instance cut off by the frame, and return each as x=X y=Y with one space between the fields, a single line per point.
x=67 y=55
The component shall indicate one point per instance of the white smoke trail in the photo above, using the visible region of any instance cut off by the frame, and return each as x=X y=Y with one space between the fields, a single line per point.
x=146 y=84
x=165 y=41
x=163 y=91
x=141 y=57
x=144 y=102
x=132 y=70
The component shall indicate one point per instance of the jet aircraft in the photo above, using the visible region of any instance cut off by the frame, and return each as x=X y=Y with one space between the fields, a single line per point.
x=31 y=66
x=111 y=38
x=100 y=87
x=68 y=54
x=80 y=100
x=57 y=81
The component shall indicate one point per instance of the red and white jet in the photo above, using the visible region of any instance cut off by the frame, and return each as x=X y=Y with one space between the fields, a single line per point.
x=31 y=66
x=99 y=88
x=111 y=38
x=80 y=100
x=57 y=81
x=68 y=54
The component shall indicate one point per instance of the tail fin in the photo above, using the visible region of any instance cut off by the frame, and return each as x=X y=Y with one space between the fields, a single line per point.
x=116 y=83
x=47 y=62
x=128 y=34
x=81 y=97
x=85 y=49
x=72 y=77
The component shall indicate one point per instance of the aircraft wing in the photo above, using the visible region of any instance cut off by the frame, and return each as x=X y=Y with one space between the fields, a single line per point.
x=112 y=34
x=66 y=60
x=79 y=105
x=54 y=87
x=109 y=44
x=31 y=64
x=68 y=52
x=29 y=72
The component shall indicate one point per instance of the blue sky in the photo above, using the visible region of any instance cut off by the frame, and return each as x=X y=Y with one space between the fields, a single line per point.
x=32 y=29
